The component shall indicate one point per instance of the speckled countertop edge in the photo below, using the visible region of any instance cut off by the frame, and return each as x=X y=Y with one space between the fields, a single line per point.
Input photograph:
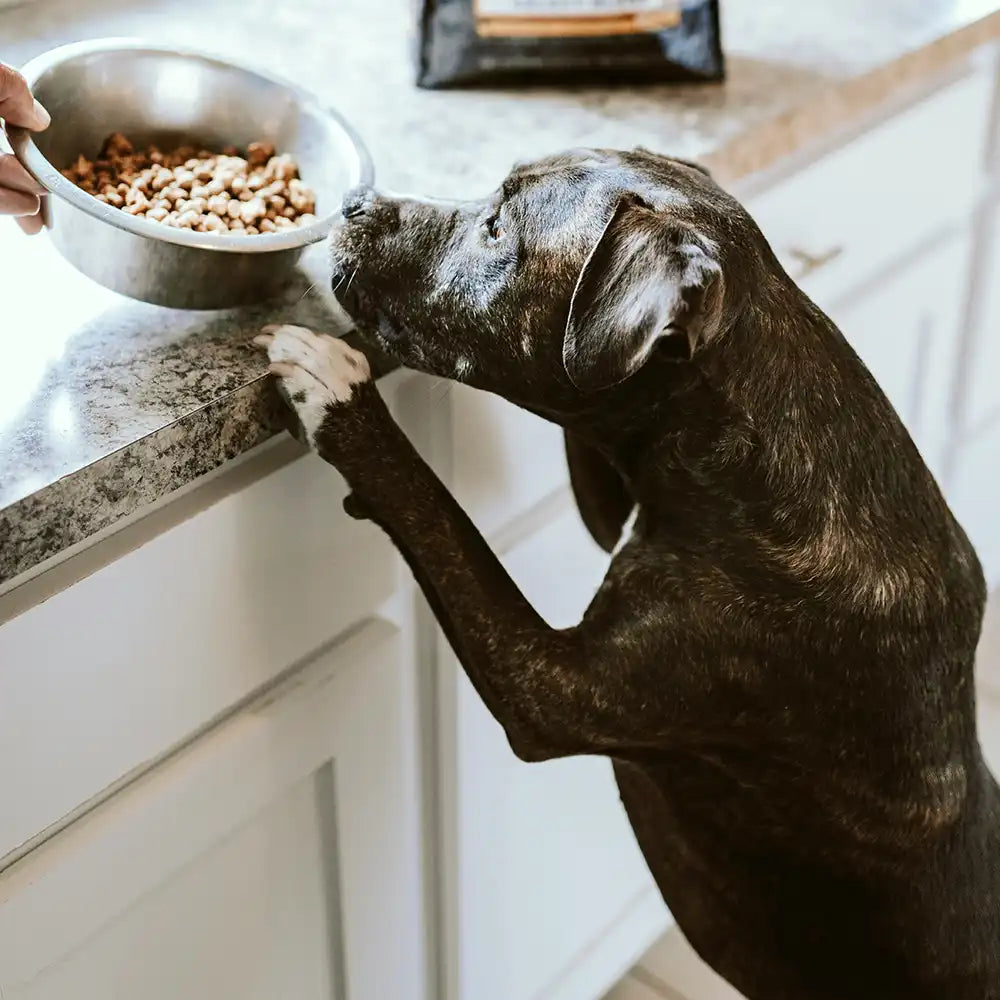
x=94 y=498
x=136 y=475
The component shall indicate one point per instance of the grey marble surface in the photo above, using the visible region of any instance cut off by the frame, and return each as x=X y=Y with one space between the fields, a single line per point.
x=107 y=405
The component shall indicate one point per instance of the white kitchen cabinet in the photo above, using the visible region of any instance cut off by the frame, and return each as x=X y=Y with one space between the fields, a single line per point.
x=105 y=676
x=837 y=222
x=505 y=459
x=274 y=857
x=552 y=898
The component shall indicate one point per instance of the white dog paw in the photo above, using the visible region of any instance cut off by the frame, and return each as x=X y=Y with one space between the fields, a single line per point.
x=316 y=370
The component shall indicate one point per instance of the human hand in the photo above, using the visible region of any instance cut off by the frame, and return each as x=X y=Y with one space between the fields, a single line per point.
x=19 y=191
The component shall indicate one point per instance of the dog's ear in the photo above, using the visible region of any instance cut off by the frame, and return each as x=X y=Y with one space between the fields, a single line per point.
x=648 y=279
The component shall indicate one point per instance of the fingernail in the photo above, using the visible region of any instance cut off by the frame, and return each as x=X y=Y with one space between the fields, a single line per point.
x=42 y=118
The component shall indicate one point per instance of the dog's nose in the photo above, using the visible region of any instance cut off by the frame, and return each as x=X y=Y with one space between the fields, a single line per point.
x=357 y=201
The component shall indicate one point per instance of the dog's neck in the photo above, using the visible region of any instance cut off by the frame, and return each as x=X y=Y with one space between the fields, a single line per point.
x=724 y=423
x=670 y=411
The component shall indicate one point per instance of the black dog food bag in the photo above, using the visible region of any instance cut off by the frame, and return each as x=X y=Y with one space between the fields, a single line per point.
x=469 y=42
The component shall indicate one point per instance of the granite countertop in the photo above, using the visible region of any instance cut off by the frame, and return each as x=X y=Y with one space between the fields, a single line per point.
x=107 y=405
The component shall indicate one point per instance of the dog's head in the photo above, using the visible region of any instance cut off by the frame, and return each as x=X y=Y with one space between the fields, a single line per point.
x=578 y=272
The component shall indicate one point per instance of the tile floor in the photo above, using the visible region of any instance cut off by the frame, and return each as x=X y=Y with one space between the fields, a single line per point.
x=671 y=970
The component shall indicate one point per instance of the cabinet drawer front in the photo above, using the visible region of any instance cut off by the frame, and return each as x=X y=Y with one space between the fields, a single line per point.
x=839 y=220
x=506 y=459
x=114 y=671
x=276 y=856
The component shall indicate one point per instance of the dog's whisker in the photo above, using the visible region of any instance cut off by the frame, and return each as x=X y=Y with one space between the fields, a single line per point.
x=311 y=287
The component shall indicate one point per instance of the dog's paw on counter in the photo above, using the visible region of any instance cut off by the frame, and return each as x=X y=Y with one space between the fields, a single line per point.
x=315 y=371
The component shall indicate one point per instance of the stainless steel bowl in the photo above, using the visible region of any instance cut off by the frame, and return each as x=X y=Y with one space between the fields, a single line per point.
x=172 y=97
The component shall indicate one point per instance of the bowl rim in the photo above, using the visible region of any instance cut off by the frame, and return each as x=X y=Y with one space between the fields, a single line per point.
x=52 y=180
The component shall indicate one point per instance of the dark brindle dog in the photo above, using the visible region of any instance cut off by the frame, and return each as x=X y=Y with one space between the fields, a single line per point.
x=780 y=659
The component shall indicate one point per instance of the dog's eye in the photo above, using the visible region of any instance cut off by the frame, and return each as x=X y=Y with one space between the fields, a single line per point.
x=494 y=228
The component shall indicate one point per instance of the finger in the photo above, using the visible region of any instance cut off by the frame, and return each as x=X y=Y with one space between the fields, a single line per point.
x=263 y=340
x=18 y=202
x=13 y=175
x=17 y=106
x=283 y=370
x=31 y=224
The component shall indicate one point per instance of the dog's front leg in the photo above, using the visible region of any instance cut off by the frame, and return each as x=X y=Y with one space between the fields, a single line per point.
x=533 y=678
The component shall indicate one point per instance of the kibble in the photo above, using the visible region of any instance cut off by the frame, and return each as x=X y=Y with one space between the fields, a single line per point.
x=227 y=193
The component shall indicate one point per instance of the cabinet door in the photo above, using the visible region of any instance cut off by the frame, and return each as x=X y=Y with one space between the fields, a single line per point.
x=274 y=857
x=553 y=900
x=505 y=459
x=170 y=634
x=908 y=332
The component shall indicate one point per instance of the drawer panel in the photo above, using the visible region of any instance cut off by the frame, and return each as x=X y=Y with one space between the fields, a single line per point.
x=838 y=221
x=119 y=668
x=505 y=459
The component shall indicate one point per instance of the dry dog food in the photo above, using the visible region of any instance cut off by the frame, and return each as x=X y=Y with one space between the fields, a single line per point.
x=226 y=193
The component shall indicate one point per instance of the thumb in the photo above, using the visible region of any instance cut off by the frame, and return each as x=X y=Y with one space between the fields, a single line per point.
x=17 y=106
